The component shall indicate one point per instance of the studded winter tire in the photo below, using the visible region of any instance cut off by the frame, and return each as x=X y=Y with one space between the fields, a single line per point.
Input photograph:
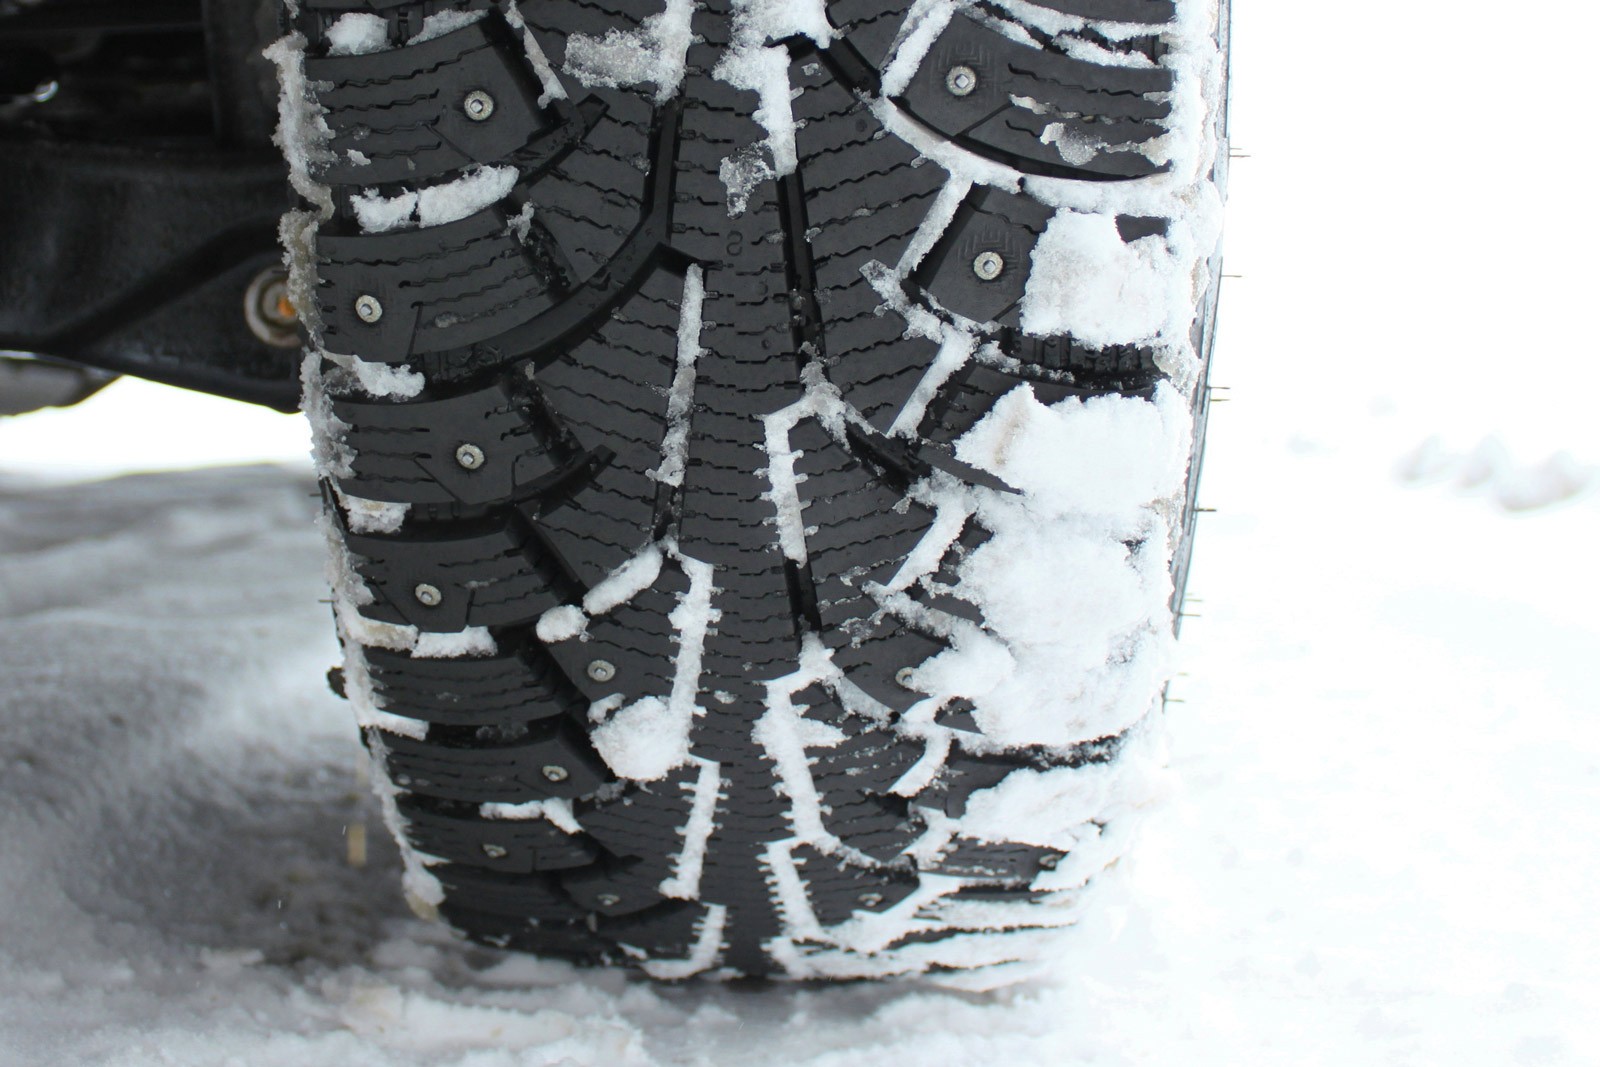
x=759 y=445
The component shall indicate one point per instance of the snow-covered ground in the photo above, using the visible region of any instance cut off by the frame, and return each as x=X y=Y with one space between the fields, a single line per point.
x=1381 y=841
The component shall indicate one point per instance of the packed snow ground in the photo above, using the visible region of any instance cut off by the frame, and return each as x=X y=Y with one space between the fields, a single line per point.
x=1380 y=842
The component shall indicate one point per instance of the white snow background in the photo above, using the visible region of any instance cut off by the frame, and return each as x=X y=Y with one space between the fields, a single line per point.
x=1381 y=842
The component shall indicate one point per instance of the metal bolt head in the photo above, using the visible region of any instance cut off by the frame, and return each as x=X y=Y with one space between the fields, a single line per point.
x=555 y=772
x=493 y=851
x=608 y=900
x=368 y=309
x=268 y=311
x=902 y=677
x=988 y=266
x=478 y=105
x=601 y=671
x=428 y=595
x=470 y=457
x=870 y=900
x=961 y=80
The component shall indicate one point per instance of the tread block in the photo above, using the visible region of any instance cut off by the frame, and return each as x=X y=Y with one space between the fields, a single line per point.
x=500 y=691
x=1086 y=118
x=481 y=578
x=979 y=267
x=870 y=759
x=837 y=890
x=457 y=833
x=630 y=650
x=875 y=661
x=943 y=599
x=667 y=931
x=956 y=714
x=480 y=447
x=625 y=654
x=401 y=114
x=1004 y=863
x=878 y=826
x=567 y=939
x=525 y=897
x=550 y=760
x=871 y=25
x=617 y=887
x=1126 y=369
x=1145 y=12
x=602 y=525
x=966 y=397
x=434 y=289
x=961 y=777
x=646 y=820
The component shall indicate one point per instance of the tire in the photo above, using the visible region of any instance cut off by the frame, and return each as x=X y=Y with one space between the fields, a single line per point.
x=754 y=542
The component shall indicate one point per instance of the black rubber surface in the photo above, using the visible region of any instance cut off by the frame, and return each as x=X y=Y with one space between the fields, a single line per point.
x=549 y=343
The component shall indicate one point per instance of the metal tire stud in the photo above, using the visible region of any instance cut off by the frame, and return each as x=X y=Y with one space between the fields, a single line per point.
x=469 y=456
x=902 y=677
x=988 y=266
x=493 y=851
x=608 y=900
x=870 y=900
x=601 y=671
x=368 y=309
x=428 y=595
x=961 y=80
x=554 y=772
x=478 y=105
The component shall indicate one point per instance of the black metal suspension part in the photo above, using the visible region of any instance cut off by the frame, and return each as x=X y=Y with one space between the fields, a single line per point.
x=140 y=194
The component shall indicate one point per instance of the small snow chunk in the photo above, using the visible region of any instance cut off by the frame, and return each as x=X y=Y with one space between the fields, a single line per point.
x=467 y=195
x=442 y=22
x=624 y=583
x=644 y=740
x=438 y=204
x=741 y=173
x=1090 y=283
x=652 y=53
x=372 y=516
x=561 y=623
x=557 y=811
x=521 y=223
x=1104 y=455
x=377 y=213
x=357 y=34
x=384 y=380
x=473 y=641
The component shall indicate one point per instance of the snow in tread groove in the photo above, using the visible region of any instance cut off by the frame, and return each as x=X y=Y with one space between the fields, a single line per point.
x=435 y=205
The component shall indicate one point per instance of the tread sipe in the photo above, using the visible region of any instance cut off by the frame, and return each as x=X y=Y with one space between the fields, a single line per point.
x=757 y=448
